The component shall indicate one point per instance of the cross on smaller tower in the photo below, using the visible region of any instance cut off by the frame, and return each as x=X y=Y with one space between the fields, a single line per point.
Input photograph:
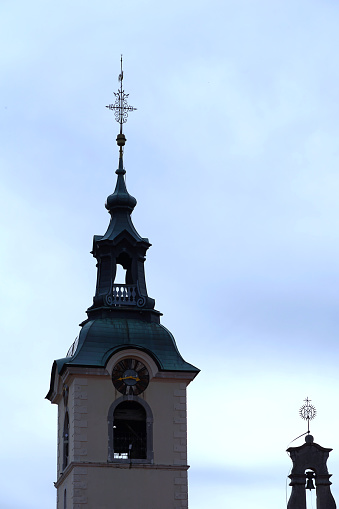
x=307 y=412
x=121 y=109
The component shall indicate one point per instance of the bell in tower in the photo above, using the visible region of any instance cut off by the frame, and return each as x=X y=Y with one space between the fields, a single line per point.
x=121 y=389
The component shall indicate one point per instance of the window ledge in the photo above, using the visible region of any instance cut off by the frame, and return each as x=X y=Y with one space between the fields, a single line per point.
x=132 y=461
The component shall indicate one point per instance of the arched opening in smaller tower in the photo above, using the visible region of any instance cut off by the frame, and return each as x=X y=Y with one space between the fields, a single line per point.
x=310 y=489
x=65 y=442
x=65 y=499
x=129 y=431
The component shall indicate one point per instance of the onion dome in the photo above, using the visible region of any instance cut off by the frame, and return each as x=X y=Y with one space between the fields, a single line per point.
x=121 y=197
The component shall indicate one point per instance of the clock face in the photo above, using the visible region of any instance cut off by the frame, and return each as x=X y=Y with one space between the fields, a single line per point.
x=130 y=377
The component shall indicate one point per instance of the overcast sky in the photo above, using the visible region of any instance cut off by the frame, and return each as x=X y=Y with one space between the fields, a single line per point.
x=233 y=158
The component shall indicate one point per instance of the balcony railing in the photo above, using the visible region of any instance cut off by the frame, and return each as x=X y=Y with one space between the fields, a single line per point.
x=122 y=295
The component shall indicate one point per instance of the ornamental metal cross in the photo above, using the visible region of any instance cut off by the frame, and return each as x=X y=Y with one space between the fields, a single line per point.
x=120 y=106
x=307 y=412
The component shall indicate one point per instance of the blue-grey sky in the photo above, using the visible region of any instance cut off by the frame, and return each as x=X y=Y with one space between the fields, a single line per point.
x=233 y=158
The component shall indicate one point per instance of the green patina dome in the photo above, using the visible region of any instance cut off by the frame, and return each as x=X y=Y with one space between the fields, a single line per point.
x=121 y=197
x=99 y=339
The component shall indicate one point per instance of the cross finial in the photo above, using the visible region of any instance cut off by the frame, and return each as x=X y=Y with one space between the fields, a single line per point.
x=307 y=412
x=121 y=109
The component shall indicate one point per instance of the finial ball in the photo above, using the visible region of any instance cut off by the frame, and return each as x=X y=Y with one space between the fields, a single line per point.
x=121 y=140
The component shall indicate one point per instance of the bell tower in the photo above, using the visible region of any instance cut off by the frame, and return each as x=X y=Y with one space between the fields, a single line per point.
x=309 y=464
x=121 y=389
x=309 y=467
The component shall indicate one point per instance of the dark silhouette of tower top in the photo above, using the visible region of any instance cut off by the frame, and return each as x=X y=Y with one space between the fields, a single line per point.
x=310 y=464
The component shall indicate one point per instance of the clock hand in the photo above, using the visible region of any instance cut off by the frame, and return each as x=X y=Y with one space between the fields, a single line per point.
x=129 y=378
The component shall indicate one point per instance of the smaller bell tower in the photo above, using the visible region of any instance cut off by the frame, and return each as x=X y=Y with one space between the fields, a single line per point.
x=309 y=467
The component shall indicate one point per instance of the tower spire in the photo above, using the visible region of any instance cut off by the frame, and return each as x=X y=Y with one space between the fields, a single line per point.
x=121 y=109
x=121 y=244
x=120 y=198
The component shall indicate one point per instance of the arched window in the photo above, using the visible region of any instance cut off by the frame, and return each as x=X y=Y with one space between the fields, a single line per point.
x=65 y=499
x=65 y=437
x=124 y=266
x=120 y=275
x=130 y=429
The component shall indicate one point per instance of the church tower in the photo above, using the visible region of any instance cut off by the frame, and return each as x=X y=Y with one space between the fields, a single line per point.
x=121 y=389
x=309 y=466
